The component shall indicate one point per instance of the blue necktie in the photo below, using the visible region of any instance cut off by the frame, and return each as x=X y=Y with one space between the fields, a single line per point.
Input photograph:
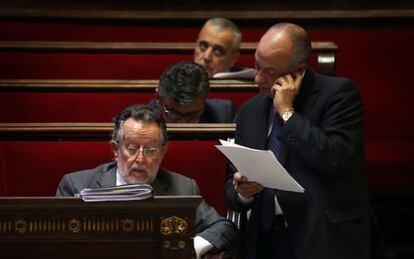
x=268 y=194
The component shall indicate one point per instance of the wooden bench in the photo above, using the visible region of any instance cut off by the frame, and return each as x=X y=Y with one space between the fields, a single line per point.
x=118 y=60
x=92 y=100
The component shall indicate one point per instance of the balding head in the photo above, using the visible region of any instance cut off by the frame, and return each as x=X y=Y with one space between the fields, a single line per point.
x=290 y=38
x=284 y=49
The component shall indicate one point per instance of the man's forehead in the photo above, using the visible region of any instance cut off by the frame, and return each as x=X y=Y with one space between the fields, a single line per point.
x=271 y=58
x=216 y=36
x=273 y=50
x=133 y=128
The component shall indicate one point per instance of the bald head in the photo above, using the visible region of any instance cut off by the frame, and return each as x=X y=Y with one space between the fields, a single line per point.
x=290 y=39
x=284 y=49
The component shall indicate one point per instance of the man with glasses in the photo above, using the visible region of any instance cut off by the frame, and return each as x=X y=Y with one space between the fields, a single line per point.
x=314 y=125
x=139 y=142
x=181 y=97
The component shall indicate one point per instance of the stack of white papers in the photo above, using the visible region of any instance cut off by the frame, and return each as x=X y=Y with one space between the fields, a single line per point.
x=127 y=192
x=247 y=73
x=259 y=166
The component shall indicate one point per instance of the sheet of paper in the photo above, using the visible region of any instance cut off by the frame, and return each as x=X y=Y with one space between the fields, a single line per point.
x=260 y=166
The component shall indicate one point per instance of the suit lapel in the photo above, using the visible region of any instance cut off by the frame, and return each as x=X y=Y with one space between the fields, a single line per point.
x=108 y=178
x=160 y=188
x=258 y=130
x=307 y=95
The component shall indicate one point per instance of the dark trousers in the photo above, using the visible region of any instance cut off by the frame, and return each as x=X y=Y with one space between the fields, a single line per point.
x=275 y=242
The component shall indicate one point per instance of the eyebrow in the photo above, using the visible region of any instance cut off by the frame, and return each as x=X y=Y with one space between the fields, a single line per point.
x=214 y=45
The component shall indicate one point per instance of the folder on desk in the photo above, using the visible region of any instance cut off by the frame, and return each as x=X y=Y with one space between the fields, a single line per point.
x=126 y=192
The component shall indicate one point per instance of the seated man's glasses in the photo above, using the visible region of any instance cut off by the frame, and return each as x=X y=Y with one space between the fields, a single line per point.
x=174 y=115
x=149 y=152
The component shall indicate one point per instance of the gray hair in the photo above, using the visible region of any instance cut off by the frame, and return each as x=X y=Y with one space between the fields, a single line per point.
x=221 y=23
x=184 y=82
x=138 y=112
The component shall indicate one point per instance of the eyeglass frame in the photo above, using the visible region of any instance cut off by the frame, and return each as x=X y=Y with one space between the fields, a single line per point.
x=144 y=151
x=179 y=115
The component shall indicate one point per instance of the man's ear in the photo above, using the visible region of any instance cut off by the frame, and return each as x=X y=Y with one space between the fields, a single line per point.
x=235 y=57
x=300 y=71
x=163 y=151
x=157 y=97
x=302 y=68
x=114 y=149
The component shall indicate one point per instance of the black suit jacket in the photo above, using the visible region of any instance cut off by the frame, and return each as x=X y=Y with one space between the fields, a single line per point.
x=323 y=149
x=216 y=111
x=209 y=224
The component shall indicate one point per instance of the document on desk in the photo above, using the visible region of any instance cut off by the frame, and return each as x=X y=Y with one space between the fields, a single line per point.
x=128 y=192
x=260 y=166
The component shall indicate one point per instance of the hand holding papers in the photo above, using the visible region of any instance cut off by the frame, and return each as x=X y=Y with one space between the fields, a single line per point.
x=118 y=193
x=260 y=166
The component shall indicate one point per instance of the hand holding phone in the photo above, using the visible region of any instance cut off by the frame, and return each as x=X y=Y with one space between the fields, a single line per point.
x=284 y=91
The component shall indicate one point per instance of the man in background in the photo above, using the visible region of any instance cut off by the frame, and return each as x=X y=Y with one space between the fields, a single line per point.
x=218 y=45
x=139 y=142
x=181 y=97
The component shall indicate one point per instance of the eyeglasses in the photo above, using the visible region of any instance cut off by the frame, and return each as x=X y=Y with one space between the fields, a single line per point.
x=174 y=115
x=149 y=152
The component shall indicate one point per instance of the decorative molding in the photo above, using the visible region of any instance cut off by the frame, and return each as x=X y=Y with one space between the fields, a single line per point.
x=173 y=225
x=75 y=225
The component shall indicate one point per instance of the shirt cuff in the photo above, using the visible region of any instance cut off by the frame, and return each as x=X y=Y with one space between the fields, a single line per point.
x=201 y=246
x=244 y=200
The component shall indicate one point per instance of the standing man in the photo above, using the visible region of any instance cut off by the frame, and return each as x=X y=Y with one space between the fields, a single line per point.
x=314 y=125
x=181 y=97
x=217 y=46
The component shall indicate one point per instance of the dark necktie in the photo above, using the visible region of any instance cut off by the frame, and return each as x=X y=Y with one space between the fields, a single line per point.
x=268 y=194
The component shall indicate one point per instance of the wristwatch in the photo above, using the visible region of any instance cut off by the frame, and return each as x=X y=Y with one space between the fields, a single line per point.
x=286 y=115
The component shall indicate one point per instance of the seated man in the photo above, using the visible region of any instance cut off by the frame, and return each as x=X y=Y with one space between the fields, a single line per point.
x=181 y=97
x=217 y=50
x=217 y=46
x=139 y=144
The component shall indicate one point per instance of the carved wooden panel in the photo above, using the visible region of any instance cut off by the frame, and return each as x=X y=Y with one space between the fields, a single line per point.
x=162 y=227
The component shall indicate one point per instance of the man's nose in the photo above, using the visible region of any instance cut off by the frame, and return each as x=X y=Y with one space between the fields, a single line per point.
x=140 y=156
x=208 y=53
x=258 y=78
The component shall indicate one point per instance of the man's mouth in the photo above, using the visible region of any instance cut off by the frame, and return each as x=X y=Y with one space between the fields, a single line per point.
x=137 y=172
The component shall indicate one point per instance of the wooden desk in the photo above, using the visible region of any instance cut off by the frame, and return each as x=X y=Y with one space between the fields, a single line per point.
x=49 y=227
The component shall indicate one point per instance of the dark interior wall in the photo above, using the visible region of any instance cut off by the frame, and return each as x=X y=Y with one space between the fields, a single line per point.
x=376 y=52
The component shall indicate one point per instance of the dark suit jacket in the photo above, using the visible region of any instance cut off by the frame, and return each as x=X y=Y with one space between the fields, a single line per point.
x=323 y=149
x=216 y=111
x=211 y=226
